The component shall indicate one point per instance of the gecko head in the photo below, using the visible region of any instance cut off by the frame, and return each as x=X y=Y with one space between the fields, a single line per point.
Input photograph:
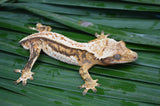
x=119 y=53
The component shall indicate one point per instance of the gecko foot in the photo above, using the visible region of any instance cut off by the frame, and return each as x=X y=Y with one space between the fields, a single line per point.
x=24 y=76
x=90 y=85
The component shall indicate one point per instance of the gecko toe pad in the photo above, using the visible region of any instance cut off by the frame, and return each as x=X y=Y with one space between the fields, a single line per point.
x=24 y=76
x=90 y=85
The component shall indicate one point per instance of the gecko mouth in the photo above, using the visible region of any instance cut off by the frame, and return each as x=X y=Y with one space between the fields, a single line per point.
x=120 y=62
x=134 y=56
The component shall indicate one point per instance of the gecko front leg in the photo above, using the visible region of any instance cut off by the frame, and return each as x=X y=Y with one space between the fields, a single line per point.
x=89 y=82
x=26 y=72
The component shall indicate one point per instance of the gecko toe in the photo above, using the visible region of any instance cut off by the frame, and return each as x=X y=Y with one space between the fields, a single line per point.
x=25 y=75
x=90 y=85
x=15 y=82
x=32 y=73
x=82 y=86
x=94 y=90
x=17 y=71
x=24 y=82
x=85 y=92
x=31 y=78
x=18 y=81
x=99 y=84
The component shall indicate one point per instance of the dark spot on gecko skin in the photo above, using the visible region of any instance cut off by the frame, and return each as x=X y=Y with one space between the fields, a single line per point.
x=78 y=55
x=33 y=56
x=83 y=54
x=81 y=71
x=71 y=50
x=47 y=28
x=105 y=60
x=87 y=79
x=86 y=61
x=65 y=52
x=84 y=73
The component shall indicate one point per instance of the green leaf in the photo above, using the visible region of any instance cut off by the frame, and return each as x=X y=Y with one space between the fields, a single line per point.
x=100 y=4
x=96 y=19
x=156 y=2
x=118 y=34
x=3 y=1
x=41 y=95
x=109 y=21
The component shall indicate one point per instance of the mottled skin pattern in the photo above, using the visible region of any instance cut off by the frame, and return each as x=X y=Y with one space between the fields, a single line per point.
x=71 y=55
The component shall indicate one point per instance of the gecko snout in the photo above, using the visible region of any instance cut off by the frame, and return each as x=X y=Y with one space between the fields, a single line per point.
x=134 y=55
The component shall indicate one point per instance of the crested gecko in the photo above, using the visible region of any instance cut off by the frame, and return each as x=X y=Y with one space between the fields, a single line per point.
x=100 y=51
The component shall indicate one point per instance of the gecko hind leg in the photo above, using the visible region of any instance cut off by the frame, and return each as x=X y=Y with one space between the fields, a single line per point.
x=89 y=82
x=26 y=72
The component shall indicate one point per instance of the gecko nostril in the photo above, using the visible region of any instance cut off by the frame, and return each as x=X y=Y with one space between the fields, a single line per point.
x=135 y=57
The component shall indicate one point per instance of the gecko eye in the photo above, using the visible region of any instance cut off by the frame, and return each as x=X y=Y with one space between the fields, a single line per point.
x=117 y=56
